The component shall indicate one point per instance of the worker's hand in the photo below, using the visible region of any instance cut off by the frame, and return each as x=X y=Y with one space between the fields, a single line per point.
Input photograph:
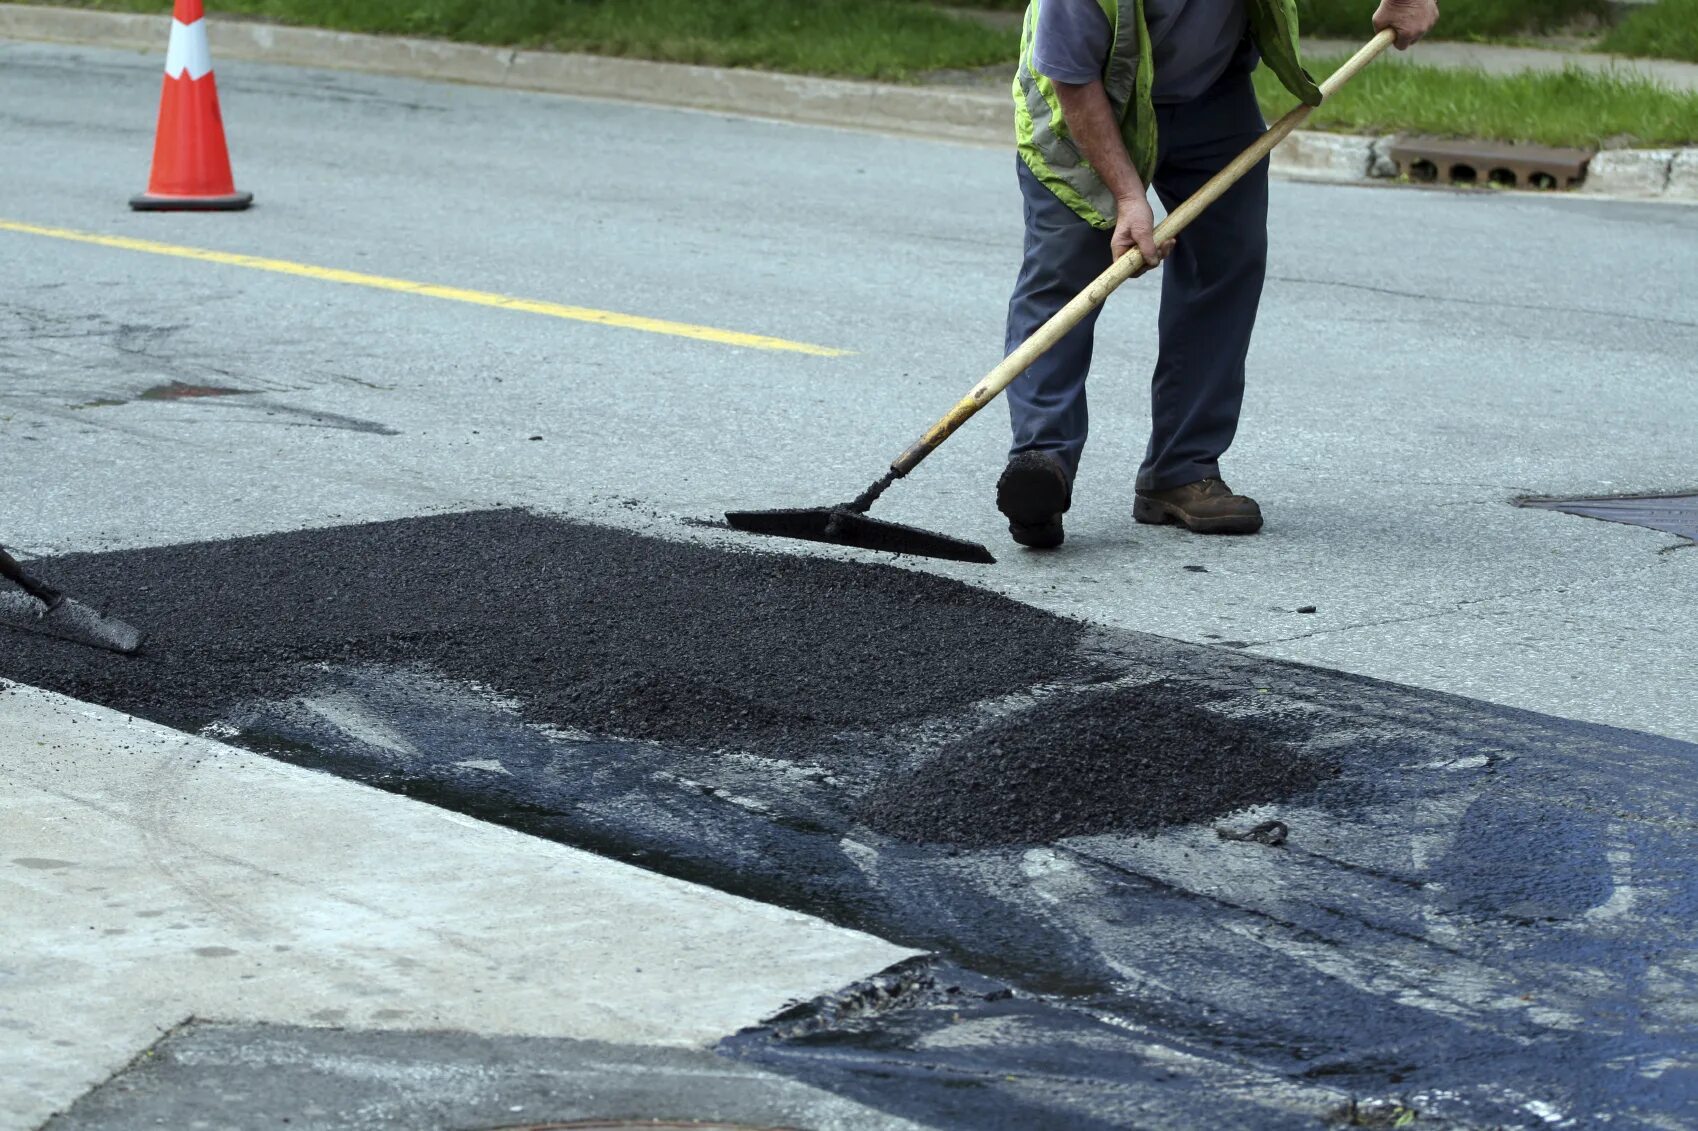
x=1136 y=228
x=1410 y=19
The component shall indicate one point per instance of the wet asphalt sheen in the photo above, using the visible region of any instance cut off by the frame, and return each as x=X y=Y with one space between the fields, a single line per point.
x=1479 y=914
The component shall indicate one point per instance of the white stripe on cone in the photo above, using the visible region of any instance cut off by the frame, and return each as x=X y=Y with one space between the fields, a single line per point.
x=188 y=51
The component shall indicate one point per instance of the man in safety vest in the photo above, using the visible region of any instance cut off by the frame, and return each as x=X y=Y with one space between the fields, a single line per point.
x=1113 y=96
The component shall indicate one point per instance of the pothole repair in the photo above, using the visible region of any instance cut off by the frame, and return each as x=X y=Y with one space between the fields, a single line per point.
x=1431 y=905
x=617 y=635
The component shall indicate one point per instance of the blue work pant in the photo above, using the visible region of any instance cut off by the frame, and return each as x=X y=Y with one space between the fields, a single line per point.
x=1211 y=287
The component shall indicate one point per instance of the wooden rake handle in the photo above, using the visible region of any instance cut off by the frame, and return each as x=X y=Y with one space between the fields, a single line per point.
x=1125 y=267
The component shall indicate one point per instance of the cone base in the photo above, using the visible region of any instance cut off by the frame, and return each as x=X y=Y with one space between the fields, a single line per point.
x=153 y=202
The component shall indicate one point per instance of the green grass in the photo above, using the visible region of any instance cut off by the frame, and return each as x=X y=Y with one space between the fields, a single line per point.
x=1568 y=108
x=1666 y=30
x=899 y=39
x=869 y=39
x=1458 y=19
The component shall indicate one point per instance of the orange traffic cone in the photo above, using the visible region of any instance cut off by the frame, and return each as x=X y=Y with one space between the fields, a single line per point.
x=191 y=165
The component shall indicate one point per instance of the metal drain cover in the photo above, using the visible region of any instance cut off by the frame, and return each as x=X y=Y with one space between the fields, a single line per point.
x=1446 y=161
x=1674 y=514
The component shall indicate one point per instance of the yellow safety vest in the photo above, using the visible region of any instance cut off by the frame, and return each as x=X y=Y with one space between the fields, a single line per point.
x=1047 y=147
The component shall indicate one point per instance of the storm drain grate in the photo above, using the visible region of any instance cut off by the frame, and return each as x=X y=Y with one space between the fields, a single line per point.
x=1439 y=161
x=1675 y=514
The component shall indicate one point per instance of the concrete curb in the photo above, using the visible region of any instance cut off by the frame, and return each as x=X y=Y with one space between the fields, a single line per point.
x=1631 y=172
x=1683 y=175
x=1312 y=155
x=955 y=115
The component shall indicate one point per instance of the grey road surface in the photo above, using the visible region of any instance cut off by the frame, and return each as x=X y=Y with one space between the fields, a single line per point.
x=1424 y=357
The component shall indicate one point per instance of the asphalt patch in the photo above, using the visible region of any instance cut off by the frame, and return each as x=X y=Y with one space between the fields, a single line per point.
x=588 y=627
x=1127 y=759
x=1484 y=919
x=601 y=631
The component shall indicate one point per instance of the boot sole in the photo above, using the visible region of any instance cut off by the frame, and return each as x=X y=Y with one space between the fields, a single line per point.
x=1152 y=513
x=1038 y=537
x=1032 y=498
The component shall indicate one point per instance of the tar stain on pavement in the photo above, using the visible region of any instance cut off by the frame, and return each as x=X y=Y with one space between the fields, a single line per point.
x=258 y=408
x=616 y=634
x=181 y=390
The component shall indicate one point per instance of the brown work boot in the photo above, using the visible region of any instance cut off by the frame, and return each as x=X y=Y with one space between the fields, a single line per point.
x=1207 y=506
x=1032 y=494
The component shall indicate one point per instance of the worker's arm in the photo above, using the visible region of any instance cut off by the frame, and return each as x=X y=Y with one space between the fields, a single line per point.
x=1410 y=19
x=1091 y=122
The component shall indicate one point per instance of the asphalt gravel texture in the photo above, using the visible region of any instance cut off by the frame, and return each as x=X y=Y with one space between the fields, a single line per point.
x=599 y=630
x=588 y=627
x=1127 y=759
x=1461 y=846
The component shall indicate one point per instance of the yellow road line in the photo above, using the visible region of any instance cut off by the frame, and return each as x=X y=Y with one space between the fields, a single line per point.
x=431 y=290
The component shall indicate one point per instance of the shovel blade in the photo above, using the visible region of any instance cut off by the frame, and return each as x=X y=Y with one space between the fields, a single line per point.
x=843 y=527
x=68 y=620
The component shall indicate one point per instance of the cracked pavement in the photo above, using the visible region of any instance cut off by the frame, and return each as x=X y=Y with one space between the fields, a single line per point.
x=1424 y=358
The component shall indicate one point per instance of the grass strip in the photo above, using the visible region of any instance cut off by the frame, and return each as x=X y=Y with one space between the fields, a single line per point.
x=1666 y=30
x=874 y=39
x=865 y=39
x=1460 y=19
x=1568 y=108
x=902 y=39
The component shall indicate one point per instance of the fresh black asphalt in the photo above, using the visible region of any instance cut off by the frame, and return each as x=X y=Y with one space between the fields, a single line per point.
x=631 y=637
x=1480 y=915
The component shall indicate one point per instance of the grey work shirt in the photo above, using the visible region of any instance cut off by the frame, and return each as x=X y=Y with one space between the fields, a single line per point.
x=1194 y=42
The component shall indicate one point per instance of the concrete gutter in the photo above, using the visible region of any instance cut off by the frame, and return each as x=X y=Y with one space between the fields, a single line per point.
x=952 y=114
